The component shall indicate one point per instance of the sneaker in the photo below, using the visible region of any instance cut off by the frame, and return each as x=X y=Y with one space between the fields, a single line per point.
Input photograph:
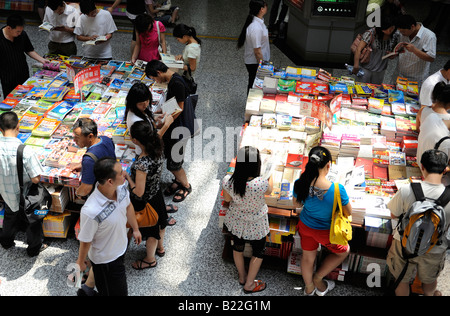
x=330 y=286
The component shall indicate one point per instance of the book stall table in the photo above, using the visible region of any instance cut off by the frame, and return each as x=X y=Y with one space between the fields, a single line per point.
x=48 y=106
x=371 y=133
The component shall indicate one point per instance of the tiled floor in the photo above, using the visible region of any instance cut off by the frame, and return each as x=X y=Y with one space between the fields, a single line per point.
x=193 y=264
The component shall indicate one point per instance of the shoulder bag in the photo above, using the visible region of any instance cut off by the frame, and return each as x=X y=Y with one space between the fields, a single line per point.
x=340 y=229
x=190 y=82
x=364 y=58
x=146 y=215
x=35 y=200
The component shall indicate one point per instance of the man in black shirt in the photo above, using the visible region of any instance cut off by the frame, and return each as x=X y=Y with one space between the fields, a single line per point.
x=14 y=42
x=176 y=87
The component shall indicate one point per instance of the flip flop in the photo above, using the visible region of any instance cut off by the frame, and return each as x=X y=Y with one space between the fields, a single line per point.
x=169 y=219
x=259 y=286
x=171 y=209
x=140 y=262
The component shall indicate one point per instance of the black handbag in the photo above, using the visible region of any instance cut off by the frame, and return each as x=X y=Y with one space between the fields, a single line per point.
x=188 y=118
x=35 y=200
x=190 y=82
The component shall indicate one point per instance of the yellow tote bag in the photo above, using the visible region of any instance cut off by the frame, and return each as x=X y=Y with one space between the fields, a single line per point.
x=341 y=229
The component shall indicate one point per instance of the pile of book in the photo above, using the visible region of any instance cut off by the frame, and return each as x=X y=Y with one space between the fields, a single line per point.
x=48 y=106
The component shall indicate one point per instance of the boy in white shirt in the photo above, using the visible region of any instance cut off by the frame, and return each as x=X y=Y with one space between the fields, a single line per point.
x=64 y=18
x=94 y=23
x=103 y=233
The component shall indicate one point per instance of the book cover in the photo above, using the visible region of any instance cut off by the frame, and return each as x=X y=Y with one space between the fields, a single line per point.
x=46 y=127
x=55 y=93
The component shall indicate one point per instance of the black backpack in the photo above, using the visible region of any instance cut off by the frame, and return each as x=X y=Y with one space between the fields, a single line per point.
x=35 y=200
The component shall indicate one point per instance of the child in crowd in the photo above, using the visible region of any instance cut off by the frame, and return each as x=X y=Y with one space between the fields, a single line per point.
x=247 y=217
x=316 y=194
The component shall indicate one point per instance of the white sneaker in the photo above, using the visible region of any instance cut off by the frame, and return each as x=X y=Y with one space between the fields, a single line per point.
x=330 y=286
x=310 y=294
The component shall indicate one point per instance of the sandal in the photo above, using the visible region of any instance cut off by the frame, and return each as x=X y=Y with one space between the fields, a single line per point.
x=140 y=262
x=259 y=286
x=160 y=253
x=182 y=193
x=171 y=209
x=169 y=219
x=171 y=190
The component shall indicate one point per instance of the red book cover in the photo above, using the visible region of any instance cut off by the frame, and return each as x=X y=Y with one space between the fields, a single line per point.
x=368 y=166
x=380 y=173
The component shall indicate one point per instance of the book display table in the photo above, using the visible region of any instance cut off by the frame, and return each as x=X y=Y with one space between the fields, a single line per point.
x=370 y=131
x=48 y=106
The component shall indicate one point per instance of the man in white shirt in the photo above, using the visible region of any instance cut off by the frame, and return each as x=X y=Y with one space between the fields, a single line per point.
x=428 y=85
x=103 y=233
x=94 y=23
x=420 y=50
x=64 y=18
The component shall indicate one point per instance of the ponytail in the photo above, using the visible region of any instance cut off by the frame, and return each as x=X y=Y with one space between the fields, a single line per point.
x=181 y=30
x=319 y=157
x=255 y=6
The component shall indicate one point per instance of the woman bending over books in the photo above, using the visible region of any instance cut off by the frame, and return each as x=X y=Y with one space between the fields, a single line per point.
x=255 y=39
x=247 y=218
x=382 y=40
x=149 y=35
x=191 y=54
x=316 y=194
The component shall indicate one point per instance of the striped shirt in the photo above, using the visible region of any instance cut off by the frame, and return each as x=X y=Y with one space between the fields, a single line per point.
x=9 y=182
x=409 y=65
x=13 y=62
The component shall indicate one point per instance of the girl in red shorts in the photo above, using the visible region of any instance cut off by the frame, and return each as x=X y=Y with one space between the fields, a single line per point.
x=316 y=194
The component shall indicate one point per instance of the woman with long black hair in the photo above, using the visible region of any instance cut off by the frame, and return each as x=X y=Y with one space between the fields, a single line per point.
x=145 y=185
x=316 y=193
x=247 y=216
x=255 y=39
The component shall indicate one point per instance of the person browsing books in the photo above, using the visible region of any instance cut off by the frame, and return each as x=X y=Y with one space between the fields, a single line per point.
x=10 y=189
x=145 y=185
x=85 y=135
x=434 y=123
x=254 y=38
x=247 y=216
x=63 y=18
x=103 y=231
x=176 y=88
x=14 y=44
x=167 y=16
x=191 y=54
x=137 y=108
x=420 y=50
x=428 y=266
x=382 y=40
x=148 y=39
x=316 y=193
x=428 y=85
x=95 y=24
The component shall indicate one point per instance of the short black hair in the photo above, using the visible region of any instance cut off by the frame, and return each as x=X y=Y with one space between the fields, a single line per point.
x=447 y=65
x=55 y=4
x=434 y=161
x=8 y=121
x=153 y=66
x=104 y=169
x=15 y=20
x=441 y=93
x=405 y=21
x=142 y=22
x=87 y=126
x=87 y=6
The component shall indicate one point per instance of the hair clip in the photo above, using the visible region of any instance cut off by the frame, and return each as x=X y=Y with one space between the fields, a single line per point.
x=315 y=157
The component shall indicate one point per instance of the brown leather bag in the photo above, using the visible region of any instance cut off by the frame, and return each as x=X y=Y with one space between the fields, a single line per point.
x=364 y=58
x=146 y=215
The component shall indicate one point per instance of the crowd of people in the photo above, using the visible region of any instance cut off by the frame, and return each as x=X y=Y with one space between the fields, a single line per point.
x=112 y=195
